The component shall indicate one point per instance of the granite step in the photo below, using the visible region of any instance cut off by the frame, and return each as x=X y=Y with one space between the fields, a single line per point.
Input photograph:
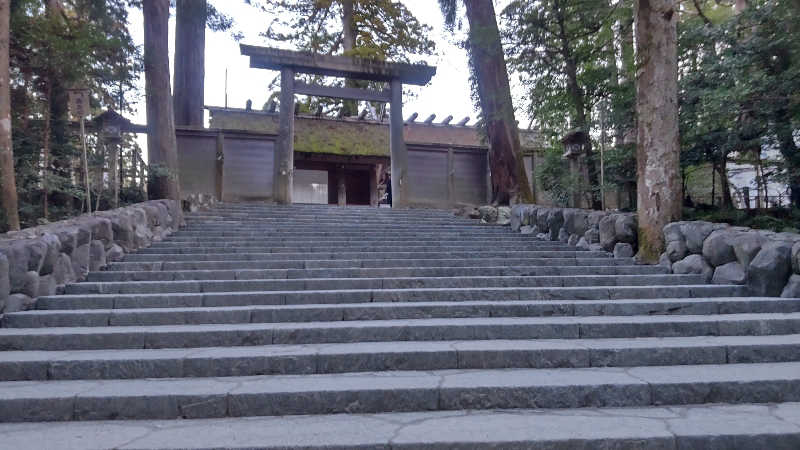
x=764 y=426
x=370 y=263
x=517 y=328
x=511 y=254
x=399 y=391
x=304 y=247
x=391 y=311
x=393 y=272
x=156 y=300
x=300 y=284
x=395 y=356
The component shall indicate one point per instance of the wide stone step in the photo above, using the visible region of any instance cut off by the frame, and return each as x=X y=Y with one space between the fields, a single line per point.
x=257 y=247
x=368 y=263
x=177 y=240
x=374 y=392
x=396 y=272
x=120 y=301
x=745 y=426
x=190 y=286
x=392 y=311
x=136 y=257
x=394 y=356
x=185 y=336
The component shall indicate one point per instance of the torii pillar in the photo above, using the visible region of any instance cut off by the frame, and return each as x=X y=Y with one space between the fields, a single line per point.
x=397 y=148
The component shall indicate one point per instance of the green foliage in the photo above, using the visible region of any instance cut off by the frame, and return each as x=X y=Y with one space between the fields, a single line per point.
x=776 y=220
x=554 y=175
x=739 y=86
x=67 y=43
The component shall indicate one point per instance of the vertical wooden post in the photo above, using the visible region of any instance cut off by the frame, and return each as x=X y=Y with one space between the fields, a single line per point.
x=397 y=149
x=341 y=186
x=220 y=165
x=451 y=177
x=284 y=146
x=489 y=186
x=373 y=185
x=113 y=171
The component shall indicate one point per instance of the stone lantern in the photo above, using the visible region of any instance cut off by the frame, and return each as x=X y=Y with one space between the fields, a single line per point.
x=573 y=142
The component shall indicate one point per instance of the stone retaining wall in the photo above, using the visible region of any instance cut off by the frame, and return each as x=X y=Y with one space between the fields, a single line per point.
x=768 y=262
x=593 y=230
x=39 y=261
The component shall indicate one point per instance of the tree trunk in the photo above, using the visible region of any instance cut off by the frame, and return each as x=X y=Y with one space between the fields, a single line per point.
x=112 y=148
x=161 y=145
x=8 y=184
x=190 y=48
x=658 y=149
x=350 y=107
x=509 y=181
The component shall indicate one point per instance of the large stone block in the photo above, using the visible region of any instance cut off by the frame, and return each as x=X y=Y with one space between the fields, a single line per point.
x=623 y=250
x=517 y=217
x=37 y=251
x=592 y=235
x=575 y=221
x=80 y=261
x=695 y=233
x=68 y=237
x=46 y=286
x=53 y=244
x=17 y=302
x=555 y=220
x=63 y=272
x=746 y=246
x=31 y=285
x=796 y=257
x=122 y=226
x=488 y=214
x=672 y=232
x=676 y=250
x=718 y=247
x=730 y=273
x=607 y=228
x=5 y=282
x=503 y=215
x=115 y=253
x=625 y=229
x=17 y=254
x=97 y=256
x=770 y=269
x=792 y=288
x=693 y=264
x=541 y=219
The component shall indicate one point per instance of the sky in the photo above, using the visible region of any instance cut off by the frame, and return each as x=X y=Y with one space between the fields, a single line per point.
x=448 y=93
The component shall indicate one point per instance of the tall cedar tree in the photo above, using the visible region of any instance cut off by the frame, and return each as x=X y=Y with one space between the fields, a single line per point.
x=658 y=149
x=190 y=38
x=488 y=66
x=8 y=186
x=161 y=144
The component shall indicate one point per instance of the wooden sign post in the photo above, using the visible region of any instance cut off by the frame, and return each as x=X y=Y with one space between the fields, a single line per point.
x=79 y=107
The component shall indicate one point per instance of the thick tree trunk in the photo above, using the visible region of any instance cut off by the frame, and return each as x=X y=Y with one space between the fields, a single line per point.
x=350 y=107
x=161 y=145
x=190 y=55
x=509 y=181
x=658 y=148
x=8 y=184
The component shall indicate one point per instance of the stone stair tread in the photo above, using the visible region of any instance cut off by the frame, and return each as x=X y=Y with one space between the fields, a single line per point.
x=410 y=355
x=393 y=391
x=380 y=283
x=244 y=334
x=394 y=310
x=696 y=426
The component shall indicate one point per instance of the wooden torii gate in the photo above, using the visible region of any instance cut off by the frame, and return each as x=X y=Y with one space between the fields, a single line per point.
x=291 y=62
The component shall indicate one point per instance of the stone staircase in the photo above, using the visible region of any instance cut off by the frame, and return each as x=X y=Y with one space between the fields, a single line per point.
x=316 y=326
